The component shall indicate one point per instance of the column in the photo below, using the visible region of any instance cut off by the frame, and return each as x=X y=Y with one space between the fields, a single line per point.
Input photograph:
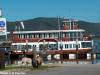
x=57 y=56
x=37 y=47
x=72 y=56
x=49 y=57
x=94 y=56
x=88 y=56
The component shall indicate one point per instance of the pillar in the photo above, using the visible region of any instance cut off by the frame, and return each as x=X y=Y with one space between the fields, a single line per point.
x=94 y=56
x=49 y=57
x=37 y=48
x=57 y=56
x=72 y=56
x=88 y=56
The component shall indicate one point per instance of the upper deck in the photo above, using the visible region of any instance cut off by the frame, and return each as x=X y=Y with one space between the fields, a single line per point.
x=70 y=32
x=46 y=31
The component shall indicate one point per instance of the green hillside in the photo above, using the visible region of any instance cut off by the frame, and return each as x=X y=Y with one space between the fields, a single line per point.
x=43 y=23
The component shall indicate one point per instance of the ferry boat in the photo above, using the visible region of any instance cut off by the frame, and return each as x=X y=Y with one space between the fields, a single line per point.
x=67 y=43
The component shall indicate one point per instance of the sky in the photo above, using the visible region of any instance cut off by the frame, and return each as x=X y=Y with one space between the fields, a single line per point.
x=16 y=10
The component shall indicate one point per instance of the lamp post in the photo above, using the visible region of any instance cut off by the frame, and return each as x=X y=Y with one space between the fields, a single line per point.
x=9 y=56
x=23 y=52
x=93 y=52
x=77 y=50
x=92 y=55
x=26 y=51
x=61 y=48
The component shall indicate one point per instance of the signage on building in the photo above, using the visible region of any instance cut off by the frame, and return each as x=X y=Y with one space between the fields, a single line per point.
x=3 y=30
x=0 y=12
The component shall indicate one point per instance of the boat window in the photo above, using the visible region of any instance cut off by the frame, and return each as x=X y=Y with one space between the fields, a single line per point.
x=66 y=45
x=50 y=35
x=34 y=47
x=56 y=35
x=74 y=45
x=22 y=47
x=19 y=47
x=86 y=44
x=52 y=46
x=43 y=47
x=48 y=47
x=70 y=45
x=14 y=46
x=30 y=35
x=78 y=45
x=71 y=34
x=29 y=46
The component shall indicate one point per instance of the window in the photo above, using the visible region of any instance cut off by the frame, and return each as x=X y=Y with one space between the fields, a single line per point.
x=74 y=45
x=19 y=47
x=40 y=35
x=66 y=45
x=70 y=45
x=52 y=47
x=14 y=46
x=86 y=44
x=78 y=45
x=34 y=47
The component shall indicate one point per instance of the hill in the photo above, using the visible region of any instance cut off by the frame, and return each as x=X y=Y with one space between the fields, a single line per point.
x=43 y=23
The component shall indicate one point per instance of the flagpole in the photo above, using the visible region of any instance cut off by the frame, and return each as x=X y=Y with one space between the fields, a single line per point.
x=60 y=39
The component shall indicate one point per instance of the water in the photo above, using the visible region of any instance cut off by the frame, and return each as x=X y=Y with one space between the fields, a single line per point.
x=97 y=49
x=96 y=45
x=97 y=60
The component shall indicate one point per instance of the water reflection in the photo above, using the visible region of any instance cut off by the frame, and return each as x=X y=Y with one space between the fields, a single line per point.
x=97 y=50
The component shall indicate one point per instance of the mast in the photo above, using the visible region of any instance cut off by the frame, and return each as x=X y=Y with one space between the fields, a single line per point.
x=60 y=39
x=58 y=26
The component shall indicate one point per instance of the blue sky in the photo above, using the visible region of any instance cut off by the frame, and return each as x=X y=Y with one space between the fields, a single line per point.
x=14 y=10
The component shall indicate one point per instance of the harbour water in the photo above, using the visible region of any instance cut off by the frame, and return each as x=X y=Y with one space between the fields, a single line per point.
x=97 y=49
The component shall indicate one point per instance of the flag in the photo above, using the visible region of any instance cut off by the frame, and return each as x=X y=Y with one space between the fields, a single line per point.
x=22 y=25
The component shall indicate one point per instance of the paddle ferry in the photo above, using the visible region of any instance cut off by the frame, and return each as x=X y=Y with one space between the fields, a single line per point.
x=71 y=42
